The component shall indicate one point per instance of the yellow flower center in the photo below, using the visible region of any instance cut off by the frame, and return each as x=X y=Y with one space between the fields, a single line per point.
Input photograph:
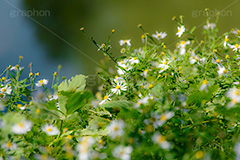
x=49 y=129
x=205 y=81
x=161 y=139
x=3 y=89
x=165 y=63
x=227 y=56
x=20 y=125
x=100 y=141
x=236 y=45
x=116 y=77
x=142 y=36
x=226 y=39
x=41 y=82
x=3 y=78
x=218 y=60
x=234 y=101
x=150 y=86
x=19 y=105
x=179 y=30
x=196 y=58
x=183 y=42
x=174 y=58
x=199 y=154
x=125 y=67
x=125 y=41
x=105 y=97
x=9 y=144
x=69 y=136
x=146 y=70
x=162 y=53
x=38 y=111
x=236 y=93
x=214 y=51
x=115 y=128
x=238 y=32
x=158 y=35
x=118 y=87
x=135 y=58
x=163 y=117
x=225 y=71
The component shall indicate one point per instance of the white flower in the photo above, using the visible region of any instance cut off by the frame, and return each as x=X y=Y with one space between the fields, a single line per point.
x=119 y=87
x=42 y=82
x=221 y=70
x=234 y=95
x=182 y=46
x=204 y=85
x=123 y=42
x=105 y=99
x=226 y=40
x=234 y=47
x=16 y=67
x=116 y=128
x=50 y=129
x=123 y=153
x=160 y=120
x=22 y=127
x=236 y=31
x=134 y=60
x=84 y=148
x=118 y=79
x=6 y=90
x=160 y=140
x=142 y=101
x=164 y=65
x=145 y=72
x=160 y=35
x=209 y=26
x=9 y=146
x=180 y=31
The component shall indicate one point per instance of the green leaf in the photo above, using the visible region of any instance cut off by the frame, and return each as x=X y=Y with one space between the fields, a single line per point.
x=76 y=83
x=118 y=104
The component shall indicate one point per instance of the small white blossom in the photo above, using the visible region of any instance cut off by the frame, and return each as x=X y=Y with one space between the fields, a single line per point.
x=164 y=65
x=180 y=31
x=235 y=47
x=221 y=70
x=160 y=120
x=209 y=26
x=84 y=148
x=123 y=42
x=182 y=46
x=42 y=82
x=22 y=127
x=161 y=141
x=116 y=129
x=16 y=67
x=105 y=99
x=160 y=35
x=236 y=31
x=50 y=129
x=119 y=87
x=9 y=146
x=134 y=60
x=204 y=85
x=226 y=40
x=6 y=90
x=122 y=152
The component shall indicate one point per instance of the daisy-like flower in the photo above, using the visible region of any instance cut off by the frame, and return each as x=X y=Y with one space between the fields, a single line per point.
x=145 y=72
x=119 y=87
x=134 y=60
x=42 y=82
x=221 y=70
x=116 y=129
x=209 y=26
x=50 y=129
x=180 y=31
x=182 y=46
x=204 y=85
x=122 y=152
x=118 y=79
x=143 y=38
x=6 y=90
x=163 y=118
x=235 y=47
x=105 y=99
x=102 y=46
x=9 y=146
x=15 y=68
x=161 y=141
x=164 y=65
x=234 y=95
x=123 y=42
x=84 y=148
x=236 y=31
x=22 y=127
x=159 y=35
x=142 y=101
x=226 y=40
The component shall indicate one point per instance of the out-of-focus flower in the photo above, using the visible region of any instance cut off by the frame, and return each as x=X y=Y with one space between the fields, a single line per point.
x=22 y=127
x=122 y=152
x=50 y=129
x=116 y=128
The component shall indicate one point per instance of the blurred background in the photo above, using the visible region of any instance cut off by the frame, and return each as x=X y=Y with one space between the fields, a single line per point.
x=47 y=33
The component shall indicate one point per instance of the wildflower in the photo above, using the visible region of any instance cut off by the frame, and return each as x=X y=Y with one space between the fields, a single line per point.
x=22 y=127
x=6 y=90
x=16 y=67
x=221 y=70
x=209 y=26
x=142 y=101
x=118 y=79
x=234 y=95
x=160 y=35
x=161 y=141
x=145 y=72
x=42 y=82
x=236 y=31
x=84 y=147
x=160 y=120
x=122 y=152
x=123 y=42
x=226 y=40
x=116 y=128
x=50 y=129
x=9 y=146
x=182 y=46
x=234 y=47
x=143 y=38
x=119 y=87
x=180 y=31
x=204 y=85
x=164 y=65
x=105 y=99
x=134 y=60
